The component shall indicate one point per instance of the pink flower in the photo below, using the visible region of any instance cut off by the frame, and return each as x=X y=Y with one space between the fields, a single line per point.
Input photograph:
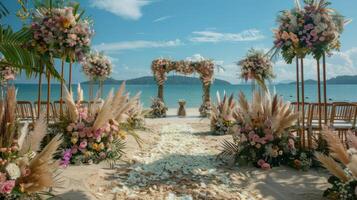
x=269 y=137
x=265 y=166
x=291 y=144
x=256 y=138
x=7 y=186
x=80 y=126
x=82 y=134
x=260 y=162
x=83 y=144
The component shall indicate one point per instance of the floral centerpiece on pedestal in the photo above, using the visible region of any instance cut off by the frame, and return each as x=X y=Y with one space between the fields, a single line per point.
x=222 y=115
x=158 y=108
x=26 y=171
x=256 y=66
x=261 y=134
x=314 y=29
x=94 y=134
x=342 y=164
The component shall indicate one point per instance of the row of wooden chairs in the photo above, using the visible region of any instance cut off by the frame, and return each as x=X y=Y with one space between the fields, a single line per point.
x=27 y=111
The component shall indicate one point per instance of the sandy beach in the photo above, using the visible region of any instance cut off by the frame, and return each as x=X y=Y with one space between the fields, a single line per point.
x=178 y=161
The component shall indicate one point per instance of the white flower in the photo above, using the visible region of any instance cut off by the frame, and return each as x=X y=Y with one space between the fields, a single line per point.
x=13 y=171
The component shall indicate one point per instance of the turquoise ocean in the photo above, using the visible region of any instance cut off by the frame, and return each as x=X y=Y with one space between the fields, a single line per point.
x=193 y=93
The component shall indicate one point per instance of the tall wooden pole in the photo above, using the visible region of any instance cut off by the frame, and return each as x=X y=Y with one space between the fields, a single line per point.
x=324 y=82
x=48 y=94
x=70 y=76
x=319 y=92
x=298 y=96
x=303 y=101
x=61 y=89
x=39 y=92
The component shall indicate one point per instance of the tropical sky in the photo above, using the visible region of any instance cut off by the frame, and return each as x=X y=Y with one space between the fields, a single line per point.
x=134 y=32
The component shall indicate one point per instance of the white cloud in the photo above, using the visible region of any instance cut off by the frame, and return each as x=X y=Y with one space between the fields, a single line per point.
x=128 y=9
x=212 y=36
x=139 y=44
x=340 y=63
x=160 y=19
x=195 y=58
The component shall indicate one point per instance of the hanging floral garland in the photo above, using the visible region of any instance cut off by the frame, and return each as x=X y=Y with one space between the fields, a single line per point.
x=314 y=29
x=256 y=66
x=97 y=66
x=61 y=32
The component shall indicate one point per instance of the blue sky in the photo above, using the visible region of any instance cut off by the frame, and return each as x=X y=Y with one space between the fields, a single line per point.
x=134 y=32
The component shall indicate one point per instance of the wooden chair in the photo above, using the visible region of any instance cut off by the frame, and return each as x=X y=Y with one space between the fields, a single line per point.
x=343 y=116
x=24 y=111
x=43 y=109
x=314 y=115
x=56 y=108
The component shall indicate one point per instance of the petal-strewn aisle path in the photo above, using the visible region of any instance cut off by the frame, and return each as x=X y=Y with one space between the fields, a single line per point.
x=178 y=161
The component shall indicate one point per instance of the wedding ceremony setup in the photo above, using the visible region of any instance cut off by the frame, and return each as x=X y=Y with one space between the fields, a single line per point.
x=78 y=122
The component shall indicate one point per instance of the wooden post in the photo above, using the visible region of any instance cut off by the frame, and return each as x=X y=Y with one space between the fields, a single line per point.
x=61 y=89
x=298 y=96
x=324 y=82
x=70 y=76
x=48 y=94
x=160 y=92
x=319 y=92
x=303 y=101
x=39 y=91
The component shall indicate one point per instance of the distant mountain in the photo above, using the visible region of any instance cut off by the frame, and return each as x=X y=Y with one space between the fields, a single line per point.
x=171 y=80
x=339 y=80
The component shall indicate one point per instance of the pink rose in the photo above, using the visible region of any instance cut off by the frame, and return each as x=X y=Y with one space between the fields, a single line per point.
x=7 y=186
x=256 y=138
x=82 y=134
x=260 y=162
x=265 y=166
x=80 y=126
x=83 y=144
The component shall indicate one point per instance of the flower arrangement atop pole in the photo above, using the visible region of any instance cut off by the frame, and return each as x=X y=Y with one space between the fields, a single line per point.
x=205 y=69
x=256 y=66
x=313 y=30
x=97 y=67
x=60 y=32
x=7 y=73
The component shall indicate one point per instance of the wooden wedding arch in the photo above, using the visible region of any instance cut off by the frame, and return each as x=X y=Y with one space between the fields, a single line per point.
x=205 y=68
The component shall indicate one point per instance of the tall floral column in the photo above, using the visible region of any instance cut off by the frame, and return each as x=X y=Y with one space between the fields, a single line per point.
x=256 y=66
x=205 y=69
x=314 y=29
x=59 y=33
x=97 y=67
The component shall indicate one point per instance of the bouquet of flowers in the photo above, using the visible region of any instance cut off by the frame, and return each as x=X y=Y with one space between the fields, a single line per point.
x=26 y=171
x=6 y=73
x=136 y=116
x=97 y=66
x=344 y=173
x=158 y=108
x=61 y=31
x=222 y=115
x=261 y=133
x=313 y=29
x=94 y=134
x=256 y=66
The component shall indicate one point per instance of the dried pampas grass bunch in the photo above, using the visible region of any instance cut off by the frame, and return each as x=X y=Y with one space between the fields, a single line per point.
x=342 y=164
x=222 y=114
x=26 y=170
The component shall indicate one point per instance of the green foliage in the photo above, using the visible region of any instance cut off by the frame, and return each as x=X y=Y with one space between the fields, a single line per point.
x=3 y=10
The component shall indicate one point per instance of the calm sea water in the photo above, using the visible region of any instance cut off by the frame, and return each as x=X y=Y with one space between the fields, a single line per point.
x=193 y=93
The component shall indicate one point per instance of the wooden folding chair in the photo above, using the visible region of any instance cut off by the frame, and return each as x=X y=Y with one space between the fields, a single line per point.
x=343 y=117
x=24 y=111
x=43 y=109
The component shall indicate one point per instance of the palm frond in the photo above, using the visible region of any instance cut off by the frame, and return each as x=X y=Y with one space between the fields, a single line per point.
x=3 y=11
x=229 y=151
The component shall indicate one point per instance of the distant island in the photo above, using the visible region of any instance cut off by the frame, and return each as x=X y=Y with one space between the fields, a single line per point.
x=339 y=80
x=171 y=80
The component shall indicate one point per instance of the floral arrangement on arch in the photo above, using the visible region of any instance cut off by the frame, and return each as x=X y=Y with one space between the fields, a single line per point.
x=342 y=164
x=61 y=32
x=93 y=134
x=97 y=66
x=205 y=68
x=26 y=170
x=314 y=29
x=256 y=66
x=261 y=134
x=222 y=115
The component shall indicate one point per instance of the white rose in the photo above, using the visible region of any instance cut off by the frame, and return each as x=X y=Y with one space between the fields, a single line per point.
x=13 y=171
